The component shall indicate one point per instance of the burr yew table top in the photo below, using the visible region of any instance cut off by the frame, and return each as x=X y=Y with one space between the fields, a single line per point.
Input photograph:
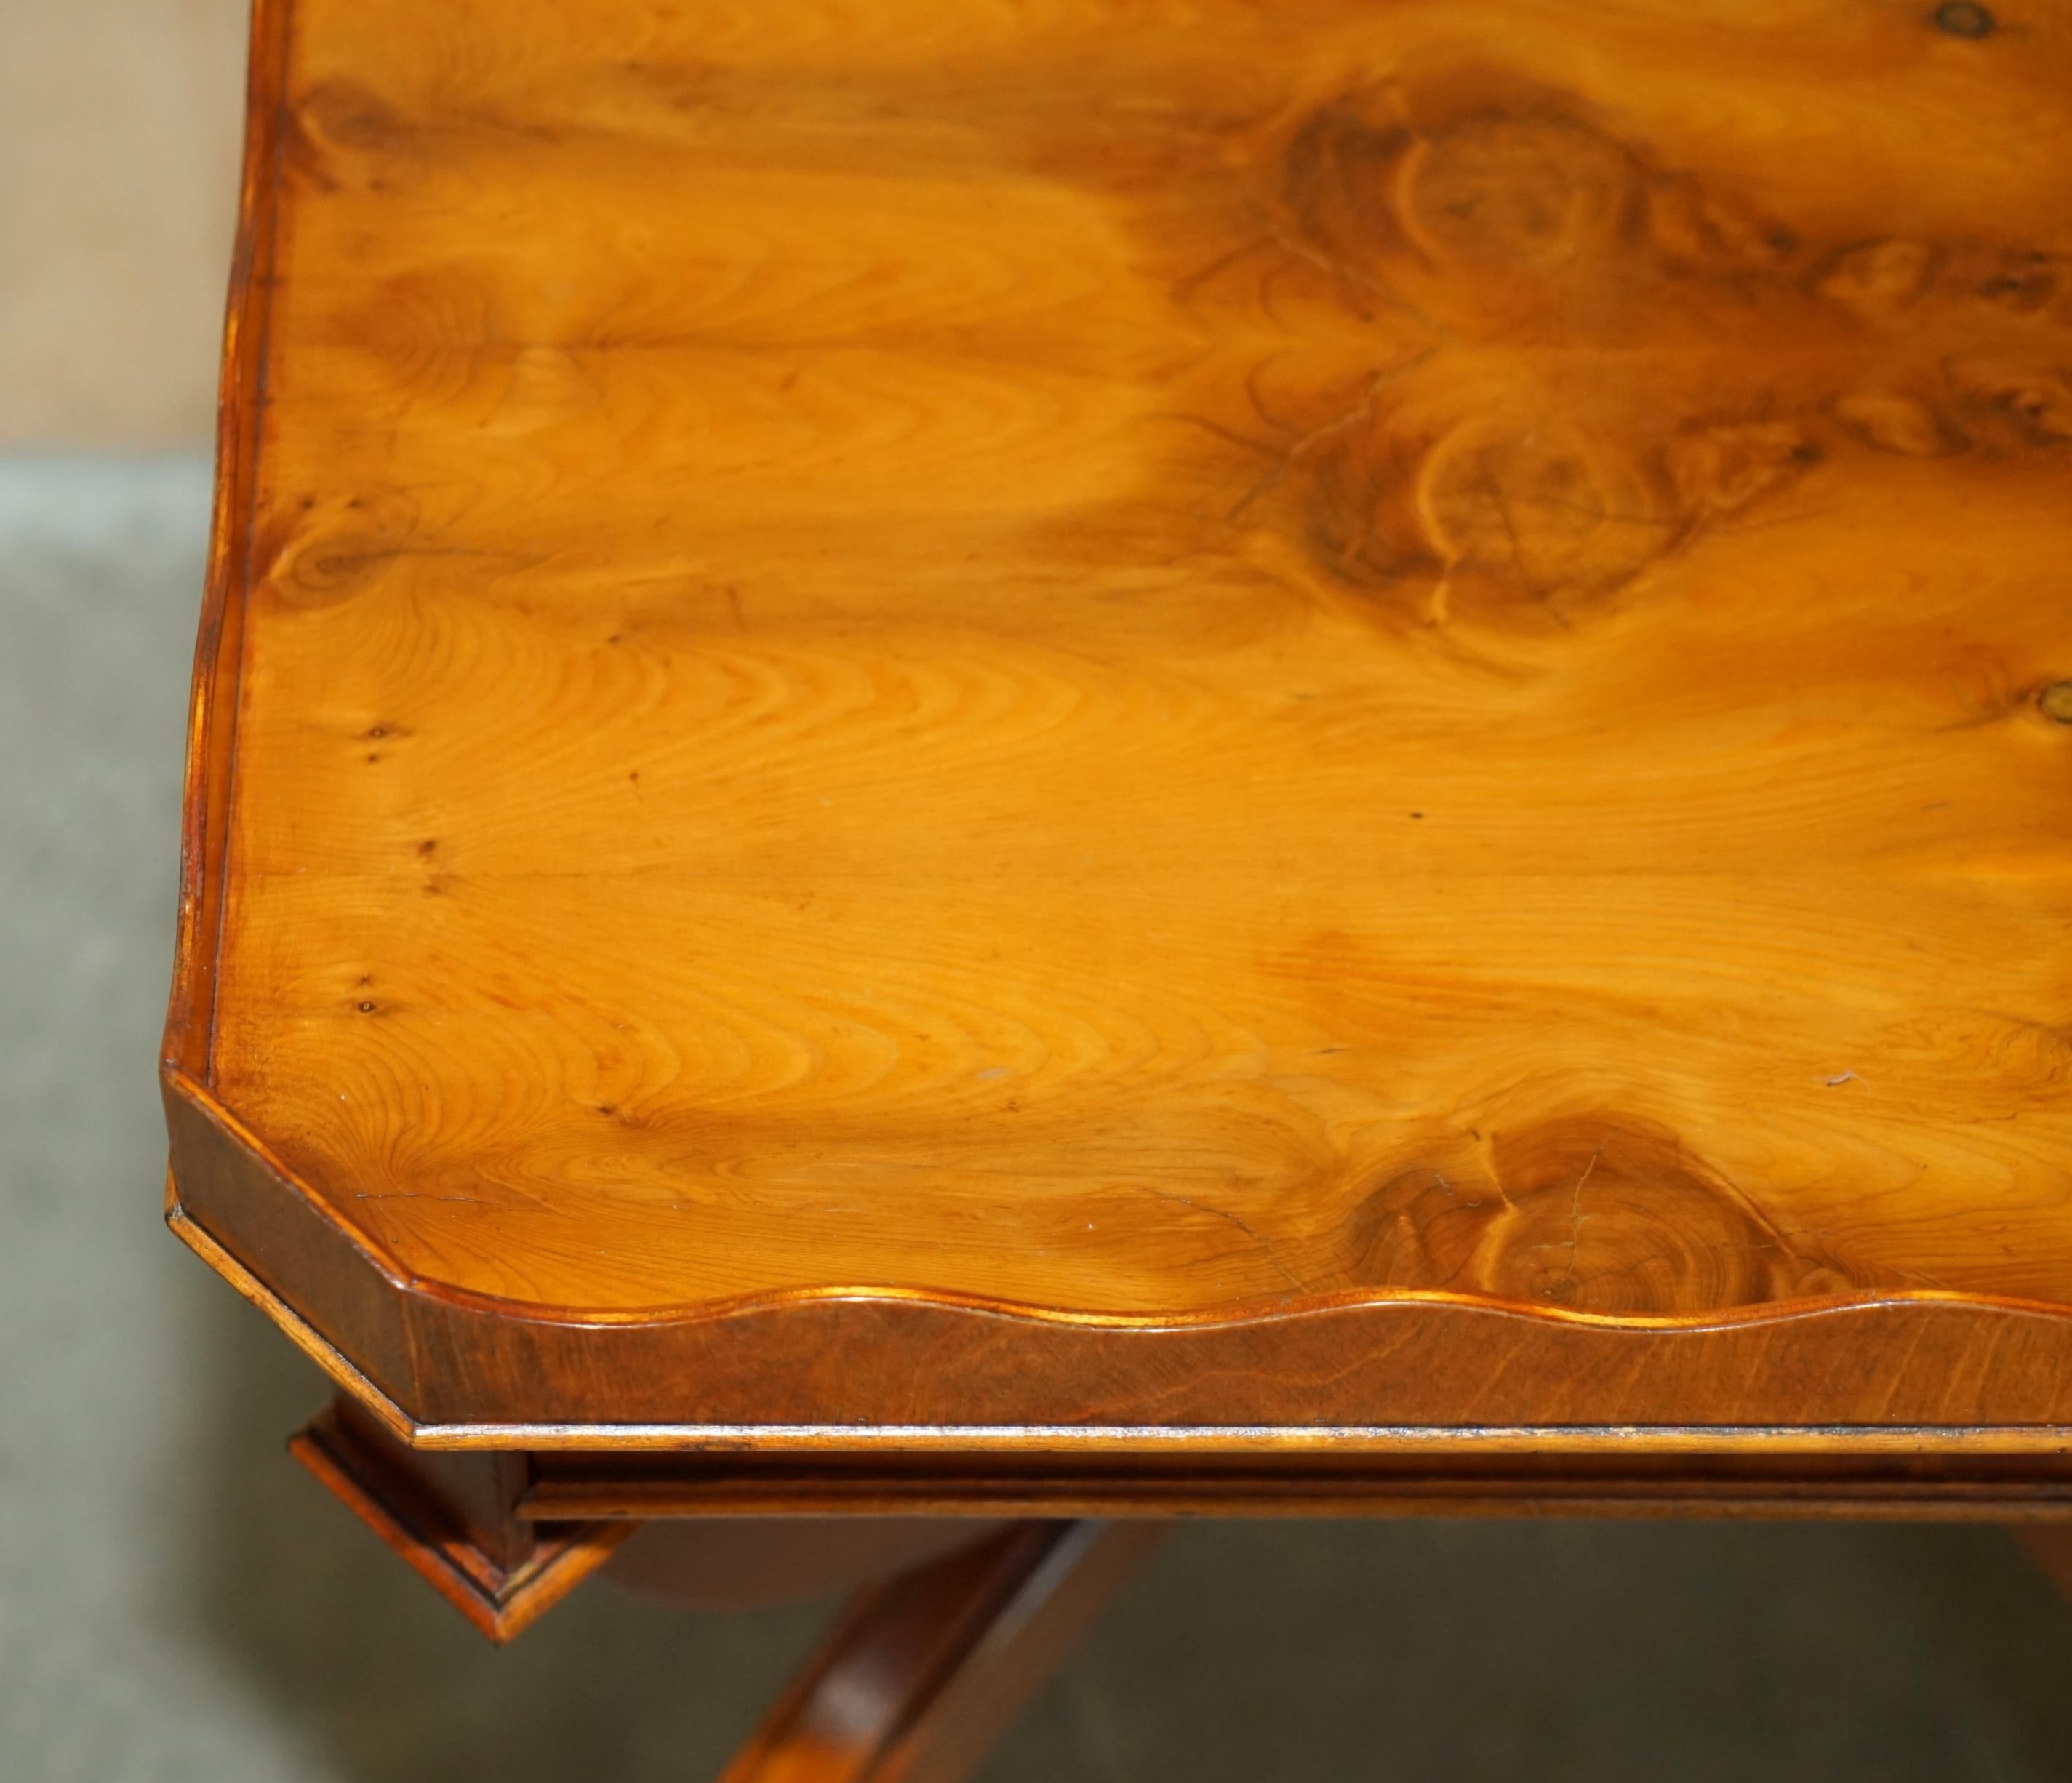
x=1162 y=721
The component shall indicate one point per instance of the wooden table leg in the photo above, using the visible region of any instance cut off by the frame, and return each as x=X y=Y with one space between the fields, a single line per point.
x=2049 y=1546
x=922 y=1672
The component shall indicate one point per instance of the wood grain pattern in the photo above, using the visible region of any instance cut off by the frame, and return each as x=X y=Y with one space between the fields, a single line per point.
x=1195 y=712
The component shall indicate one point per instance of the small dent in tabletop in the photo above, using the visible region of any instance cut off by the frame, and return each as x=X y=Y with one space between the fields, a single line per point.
x=343 y=133
x=1877 y=277
x=350 y=115
x=322 y=555
x=1963 y=18
x=2035 y=400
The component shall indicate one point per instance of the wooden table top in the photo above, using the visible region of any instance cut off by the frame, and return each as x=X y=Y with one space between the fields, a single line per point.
x=1152 y=717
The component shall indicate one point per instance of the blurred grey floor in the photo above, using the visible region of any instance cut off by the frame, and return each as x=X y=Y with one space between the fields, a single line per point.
x=177 y=1600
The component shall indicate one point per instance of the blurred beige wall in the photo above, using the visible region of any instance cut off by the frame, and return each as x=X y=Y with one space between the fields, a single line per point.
x=120 y=122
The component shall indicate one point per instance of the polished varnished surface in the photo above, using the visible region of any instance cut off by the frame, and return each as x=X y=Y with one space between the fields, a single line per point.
x=1155 y=660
